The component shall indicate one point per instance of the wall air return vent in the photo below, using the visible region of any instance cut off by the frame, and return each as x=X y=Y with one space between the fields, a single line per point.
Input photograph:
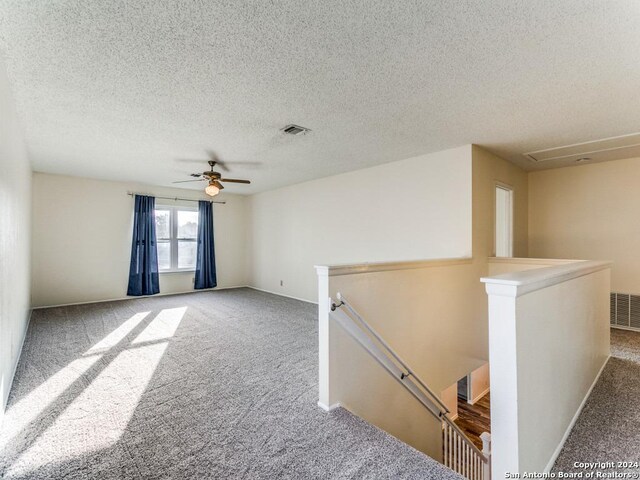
x=295 y=130
x=634 y=311
x=613 y=148
x=625 y=311
x=622 y=310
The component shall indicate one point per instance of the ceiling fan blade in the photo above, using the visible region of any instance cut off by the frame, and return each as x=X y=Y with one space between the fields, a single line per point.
x=234 y=180
x=240 y=163
x=212 y=156
x=222 y=165
x=185 y=181
x=190 y=160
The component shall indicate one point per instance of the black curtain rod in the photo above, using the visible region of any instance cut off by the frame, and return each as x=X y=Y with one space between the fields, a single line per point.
x=131 y=194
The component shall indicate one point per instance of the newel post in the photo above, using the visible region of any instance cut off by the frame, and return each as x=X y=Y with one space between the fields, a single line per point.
x=486 y=450
x=325 y=400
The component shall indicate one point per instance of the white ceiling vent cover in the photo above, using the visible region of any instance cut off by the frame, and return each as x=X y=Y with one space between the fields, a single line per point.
x=295 y=129
x=613 y=148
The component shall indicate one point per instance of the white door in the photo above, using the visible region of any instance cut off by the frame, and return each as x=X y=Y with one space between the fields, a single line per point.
x=504 y=221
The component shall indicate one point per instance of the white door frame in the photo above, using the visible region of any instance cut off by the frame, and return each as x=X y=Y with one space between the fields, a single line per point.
x=503 y=238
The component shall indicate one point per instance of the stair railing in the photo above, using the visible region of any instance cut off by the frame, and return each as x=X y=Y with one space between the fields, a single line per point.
x=459 y=452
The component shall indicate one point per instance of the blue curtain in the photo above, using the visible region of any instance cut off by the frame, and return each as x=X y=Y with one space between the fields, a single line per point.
x=206 y=256
x=143 y=272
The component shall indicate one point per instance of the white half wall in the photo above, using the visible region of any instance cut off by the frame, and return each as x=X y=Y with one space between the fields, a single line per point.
x=418 y=208
x=548 y=343
x=502 y=265
x=82 y=239
x=15 y=236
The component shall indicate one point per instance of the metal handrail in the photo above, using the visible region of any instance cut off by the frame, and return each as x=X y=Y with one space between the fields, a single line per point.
x=440 y=408
x=392 y=352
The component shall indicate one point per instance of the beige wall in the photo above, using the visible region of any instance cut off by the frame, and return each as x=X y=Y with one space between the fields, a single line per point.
x=82 y=239
x=15 y=236
x=419 y=313
x=589 y=212
x=449 y=397
x=488 y=170
x=434 y=316
x=411 y=209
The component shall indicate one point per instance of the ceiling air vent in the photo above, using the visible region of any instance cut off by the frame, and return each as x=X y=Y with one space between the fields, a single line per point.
x=613 y=148
x=295 y=130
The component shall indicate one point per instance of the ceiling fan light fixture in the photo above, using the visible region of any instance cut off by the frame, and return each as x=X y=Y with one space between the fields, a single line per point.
x=212 y=189
x=213 y=178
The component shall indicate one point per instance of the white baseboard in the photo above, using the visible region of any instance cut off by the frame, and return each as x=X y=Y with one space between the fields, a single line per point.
x=281 y=294
x=478 y=397
x=328 y=408
x=141 y=296
x=15 y=369
x=558 y=449
x=173 y=293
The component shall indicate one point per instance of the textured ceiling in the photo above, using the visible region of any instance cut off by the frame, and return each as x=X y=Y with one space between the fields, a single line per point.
x=125 y=90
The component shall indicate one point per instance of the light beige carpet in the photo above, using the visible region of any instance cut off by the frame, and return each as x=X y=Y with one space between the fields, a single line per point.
x=205 y=385
x=608 y=428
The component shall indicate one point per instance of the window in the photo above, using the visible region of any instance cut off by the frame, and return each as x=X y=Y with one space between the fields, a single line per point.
x=176 y=232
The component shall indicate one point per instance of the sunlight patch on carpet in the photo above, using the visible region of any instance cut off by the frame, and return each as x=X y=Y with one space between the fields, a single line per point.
x=109 y=400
